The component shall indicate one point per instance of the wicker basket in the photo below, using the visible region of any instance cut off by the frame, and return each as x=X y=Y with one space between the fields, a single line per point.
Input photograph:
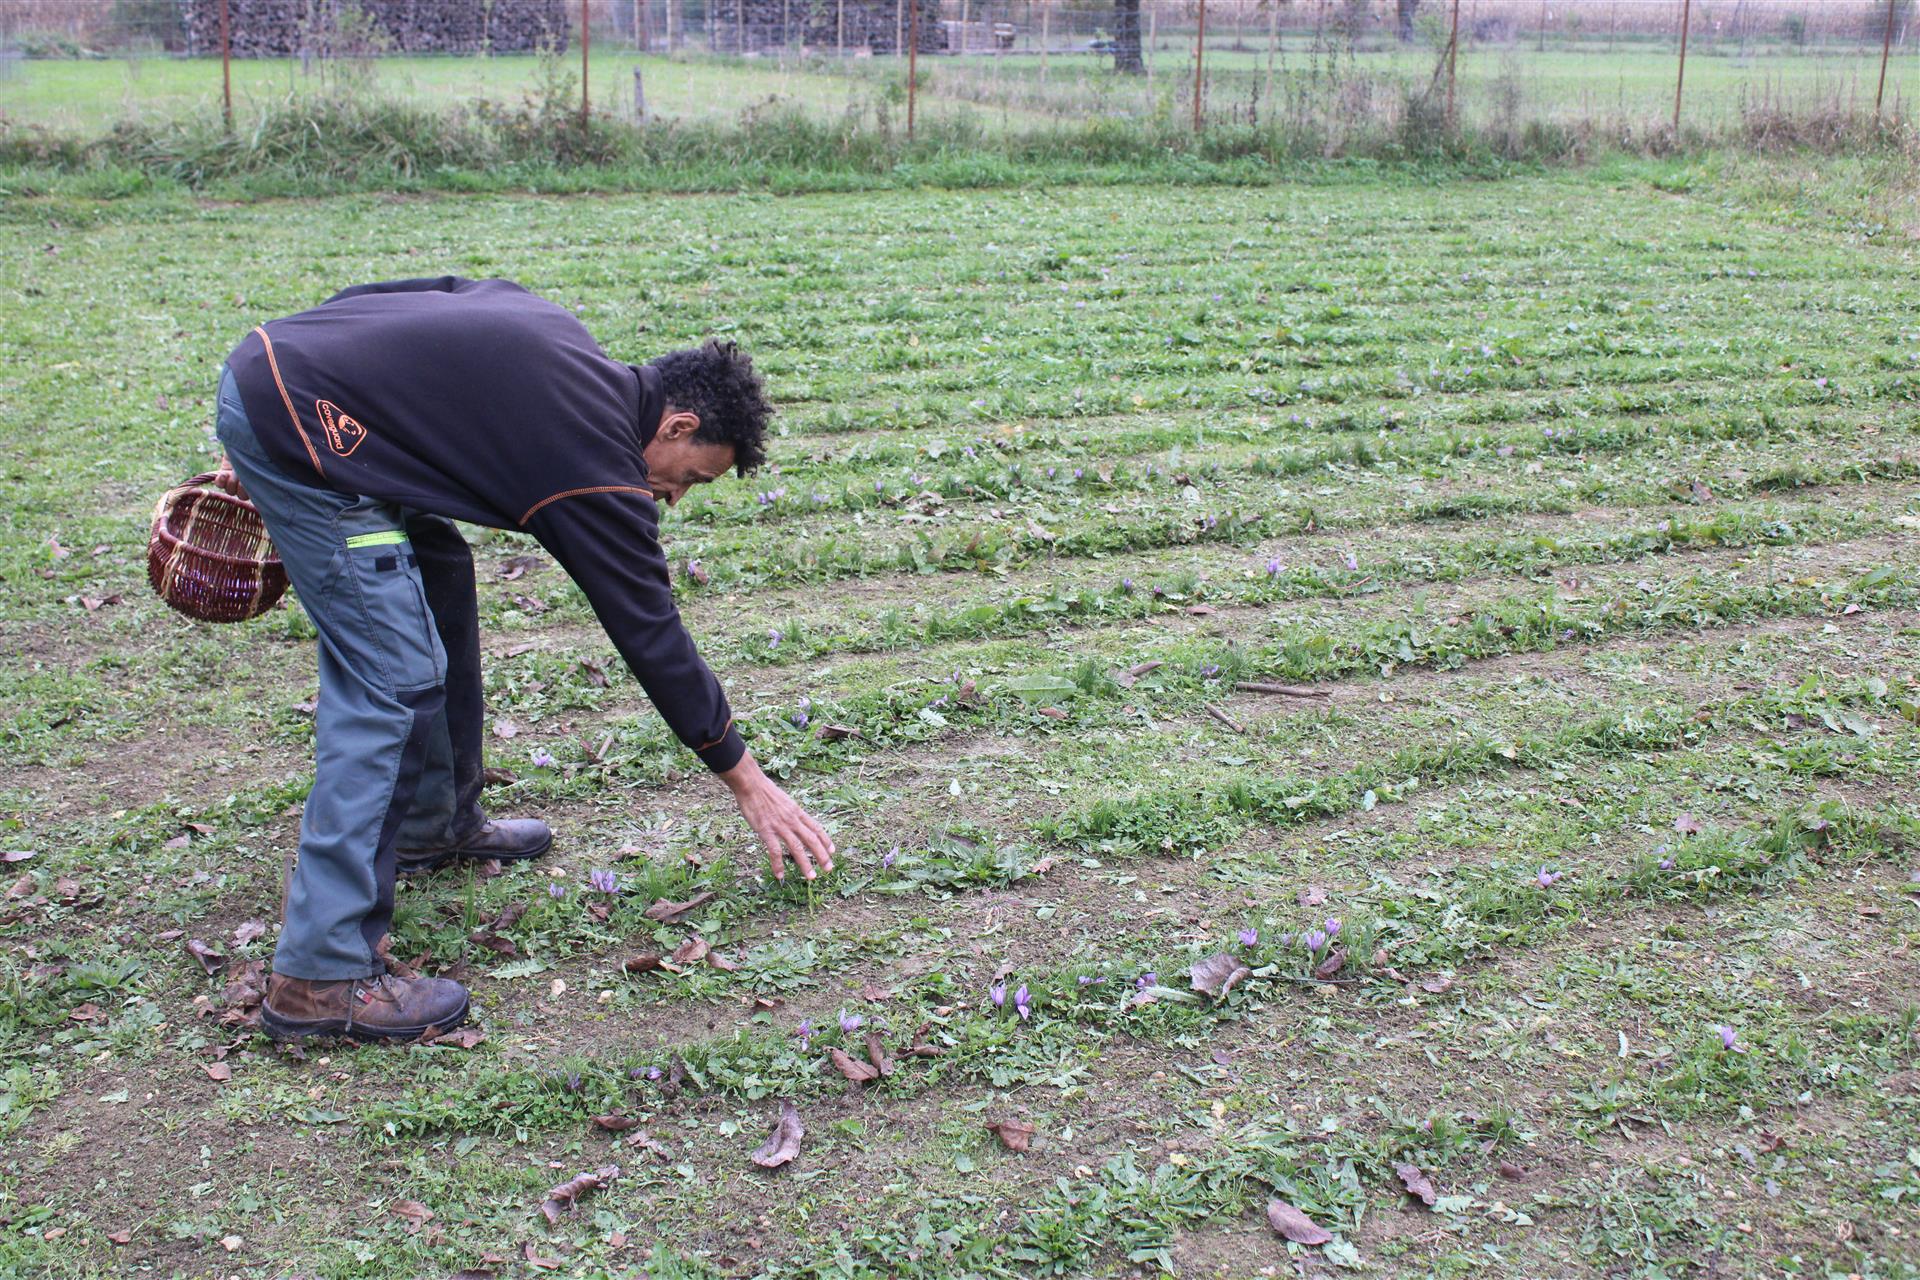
x=209 y=555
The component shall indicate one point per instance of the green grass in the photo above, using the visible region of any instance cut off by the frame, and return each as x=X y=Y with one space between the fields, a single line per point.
x=1586 y=498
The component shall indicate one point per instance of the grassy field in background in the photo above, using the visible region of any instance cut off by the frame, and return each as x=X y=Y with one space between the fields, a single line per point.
x=1632 y=84
x=1587 y=504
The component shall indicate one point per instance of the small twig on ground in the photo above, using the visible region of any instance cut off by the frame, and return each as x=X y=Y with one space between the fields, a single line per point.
x=1280 y=690
x=1225 y=719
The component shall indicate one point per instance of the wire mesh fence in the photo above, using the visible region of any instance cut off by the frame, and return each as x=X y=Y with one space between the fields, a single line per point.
x=981 y=67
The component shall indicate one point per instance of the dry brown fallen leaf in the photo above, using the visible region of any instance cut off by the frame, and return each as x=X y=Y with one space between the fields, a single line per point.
x=877 y=1054
x=218 y=1071
x=247 y=931
x=1416 y=1183
x=1015 y=1135
x=562 y=1198
x=1218 y=974
x=1055 y=713
x=593 y=673
x=1336 y=960
x=460 y=1038
x=1311 y=896
x=1511 y=1171
x=856 y=1071
x=1295 y=1225
x=615 y=1124
x=667 y=912
x=210 y=960
x=919 y=1048
x=415 y=1214
x=643 y=963
x=506 y=729
x=835 y=732
x=1437 y=986
x=692 y=951
x=783 y=1144
x=715 y=960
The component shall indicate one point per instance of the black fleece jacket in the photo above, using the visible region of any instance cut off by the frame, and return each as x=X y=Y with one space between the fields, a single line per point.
x=477 y=400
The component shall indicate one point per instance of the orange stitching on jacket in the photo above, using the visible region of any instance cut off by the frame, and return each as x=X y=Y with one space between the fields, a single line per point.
x=722 y=738
x=287 y=400
x=574 y=493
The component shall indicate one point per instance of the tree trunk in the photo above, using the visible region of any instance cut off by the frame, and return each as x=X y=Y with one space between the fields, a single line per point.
x=1126 y=37
x=1403 y=11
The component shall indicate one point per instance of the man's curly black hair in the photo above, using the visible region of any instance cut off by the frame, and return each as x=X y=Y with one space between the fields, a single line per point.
x=716 y=383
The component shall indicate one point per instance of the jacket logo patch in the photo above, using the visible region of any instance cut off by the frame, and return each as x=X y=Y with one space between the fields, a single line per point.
x=343 y=433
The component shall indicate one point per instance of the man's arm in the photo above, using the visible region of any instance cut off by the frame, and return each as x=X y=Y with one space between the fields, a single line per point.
x=608 y=542
x=425 y=284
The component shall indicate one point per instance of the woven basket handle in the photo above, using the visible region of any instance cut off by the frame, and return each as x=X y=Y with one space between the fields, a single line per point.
x=206 y=478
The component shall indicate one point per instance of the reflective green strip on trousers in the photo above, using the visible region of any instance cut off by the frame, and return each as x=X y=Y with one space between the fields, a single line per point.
x=385 y=538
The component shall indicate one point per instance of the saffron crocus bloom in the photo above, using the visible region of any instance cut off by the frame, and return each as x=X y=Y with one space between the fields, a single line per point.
x=851 y=1022
x=1353 y=562
x=542 y=758
x=604 y=881
x=1023 y=1003
x=1147 y=979
x=773 y=639
x=891 y=855
x=1126 y=585
x=1274 y=567
x=799 y=719
x=998 y=994
x=1730 y=1040
x=1546 y=878
x=1249 y=937
x=1313 y=940
x=805 y=1032
x=654 y=1073
x=1333 y=926
x=1209 y=671
x=1286 y=940
x=556 y=890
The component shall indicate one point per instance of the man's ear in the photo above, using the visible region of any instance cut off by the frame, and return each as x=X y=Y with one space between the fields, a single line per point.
x=678 y=424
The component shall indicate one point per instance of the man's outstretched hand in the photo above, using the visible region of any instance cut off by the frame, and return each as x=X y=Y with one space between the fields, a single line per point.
x=783 y=826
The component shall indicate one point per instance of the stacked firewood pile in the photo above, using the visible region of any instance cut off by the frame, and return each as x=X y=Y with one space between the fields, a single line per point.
x=360 y=28
x=882 y=26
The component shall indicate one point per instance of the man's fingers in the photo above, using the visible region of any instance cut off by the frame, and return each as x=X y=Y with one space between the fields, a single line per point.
x=797 y=850
x=776 y=855
x=817 y=841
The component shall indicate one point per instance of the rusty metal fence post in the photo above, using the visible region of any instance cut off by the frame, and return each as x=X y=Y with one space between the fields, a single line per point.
x=1686 y=14
x=586 y=43
x=1199 y=57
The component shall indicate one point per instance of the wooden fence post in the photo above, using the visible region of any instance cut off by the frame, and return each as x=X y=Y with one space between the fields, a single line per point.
x=1886 y=47
x=1199 y=57
x=1686 y=14
x=913 y=67
x=1453 y=50
x=586 y=43
x=226 y=67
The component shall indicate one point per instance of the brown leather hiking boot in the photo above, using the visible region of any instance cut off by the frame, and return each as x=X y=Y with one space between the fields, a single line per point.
x=505 y=839
x=376 y=1008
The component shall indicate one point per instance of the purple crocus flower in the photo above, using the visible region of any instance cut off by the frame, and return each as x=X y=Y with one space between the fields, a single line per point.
x=604 y=881
x=799 y=719
x=542 y=758
x=1353 y=561
x=654 y=1073
x=1023 y=1003
x=805 y=1032
x=1249 y=937
x=1313 y=940
x=998 y=994
x=773 y=639
x=891 y=855
x=1285 y=940
x=1209 y=671
x=1147 y=979
x=1076 y=473
x=1126 y=585
x=879 y=486
x=1274 y=567
x=1049 y=473
x=1546 y=878
x=556 y=890
x=1666 y=859
x=1730 y=1040
x=851 y=1022
x=1333 y=926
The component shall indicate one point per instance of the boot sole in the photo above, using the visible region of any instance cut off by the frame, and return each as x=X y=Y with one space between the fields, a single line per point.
x=279 y=1028
x=421 y=866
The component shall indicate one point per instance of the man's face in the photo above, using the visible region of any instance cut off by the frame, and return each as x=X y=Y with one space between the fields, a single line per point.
x=676 y=461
